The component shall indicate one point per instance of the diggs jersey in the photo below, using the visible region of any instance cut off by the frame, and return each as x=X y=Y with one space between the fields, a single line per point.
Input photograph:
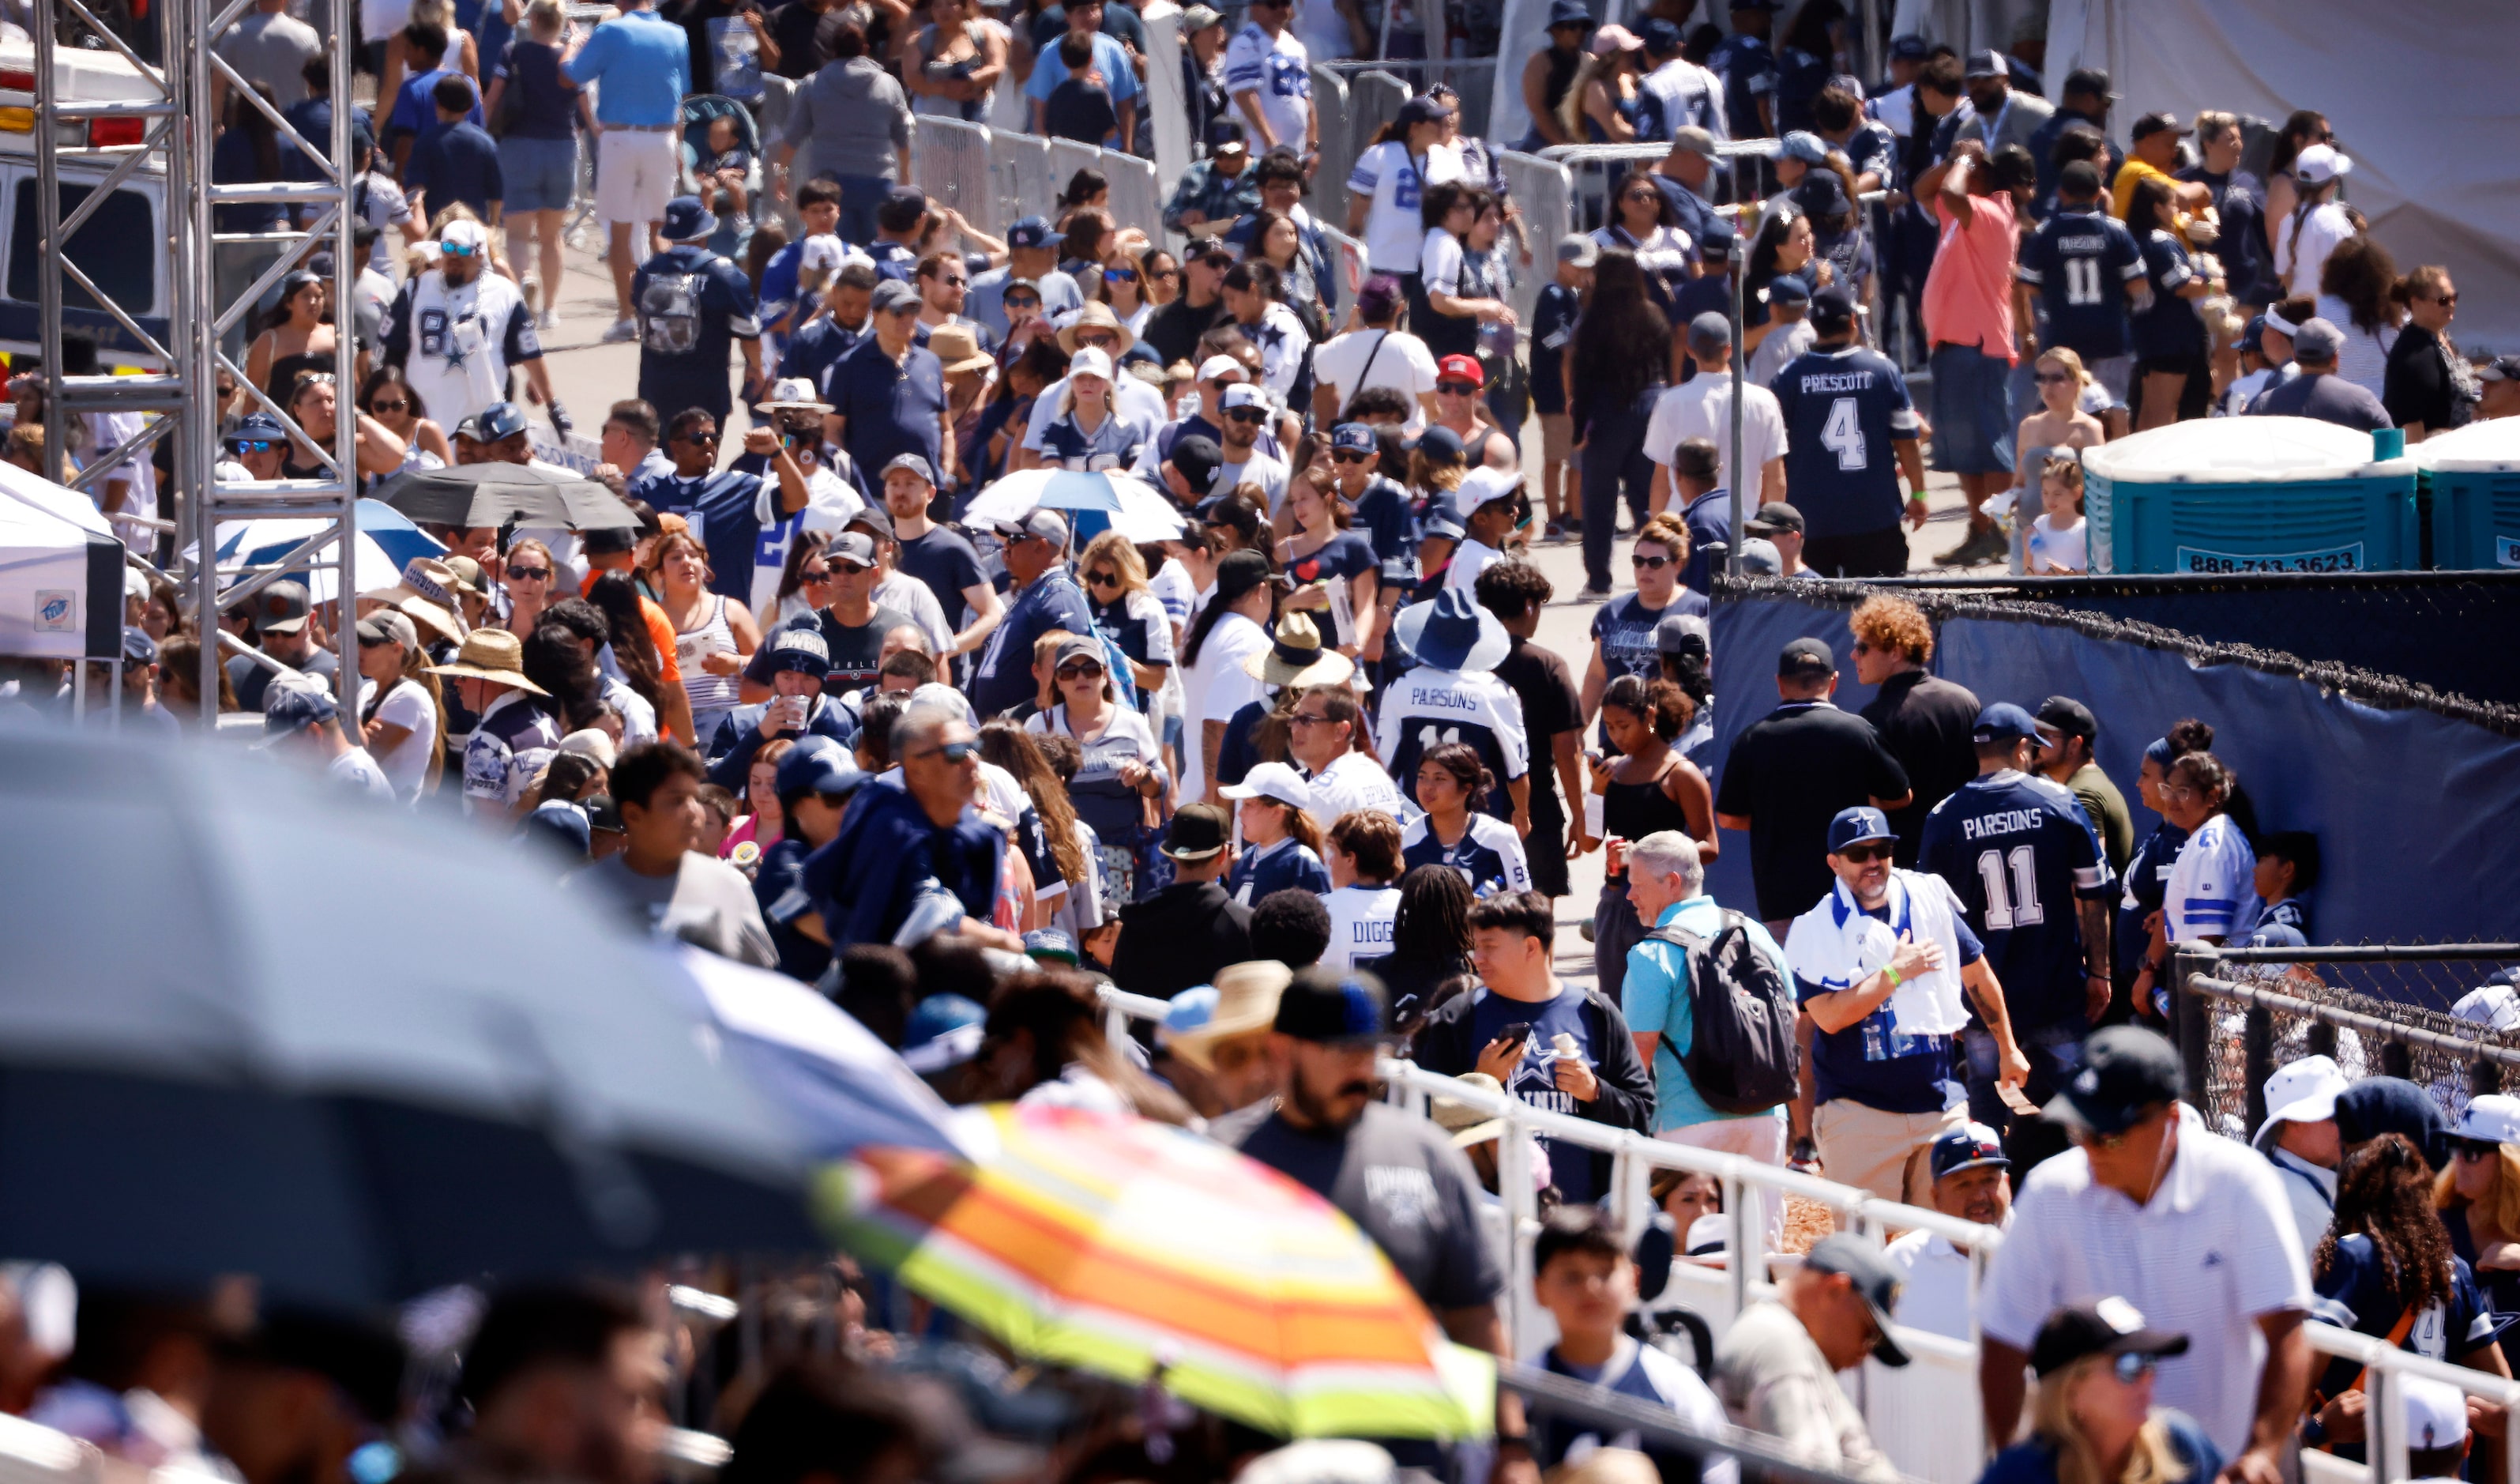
x=2080 y=262
x=1359 y=923
x=1487 y=855
x=2018 y=851
x=1429 y=706
x=1285 y=865
x=1283 y=73
x=455 y=345
x=1843 y=411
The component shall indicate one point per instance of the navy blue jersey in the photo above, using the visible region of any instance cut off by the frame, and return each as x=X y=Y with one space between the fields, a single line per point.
x=1709 y=518
x=1749 y=71
x=1487 y=855
x=1382 y=513
x=2018 y=851
x=724 y=509
x=693 y=305
x=1624 y=629
x=1342 y=557
x=2170 y=325
x=1843 y=411
x=2358 y=1278
x=1259 y=870
x=2080 y=262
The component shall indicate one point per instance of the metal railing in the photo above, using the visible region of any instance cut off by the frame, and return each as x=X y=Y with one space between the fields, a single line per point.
x=2385 y=1442
x=997 y=177
x=2241 y=1012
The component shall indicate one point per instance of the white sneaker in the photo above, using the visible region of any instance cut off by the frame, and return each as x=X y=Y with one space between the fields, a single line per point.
x=549 y=319
x=622 y=330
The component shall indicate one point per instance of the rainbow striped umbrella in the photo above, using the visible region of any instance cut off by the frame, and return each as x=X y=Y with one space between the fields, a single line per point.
x=1125 y=1247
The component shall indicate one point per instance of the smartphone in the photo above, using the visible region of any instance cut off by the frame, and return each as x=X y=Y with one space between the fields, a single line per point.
x=1520 y=1030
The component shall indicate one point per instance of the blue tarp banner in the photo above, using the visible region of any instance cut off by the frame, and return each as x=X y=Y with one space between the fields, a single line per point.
x=2417 y=814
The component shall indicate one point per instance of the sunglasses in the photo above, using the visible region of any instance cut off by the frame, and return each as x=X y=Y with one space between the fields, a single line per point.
x=2445 y=300
x=530 y=574
x=1119 y=275
x=2052 y=377
x=1101 y=579
x=1865 y=855
x=1081 y=669
x=253 y=446
x=953 y=282
x=1012 y=304
x=699 y=437
x=1312 y=719
x=450 y=250
x=1649 y=196
x=1861 y=648
x=1645 y=564
x=1219 y=384
x=1246 y=415
x=2131 y=1369
x=388 y=406
x=839 y=568
x=1457 y=388
x=1343 y=456
x=952 y=752
x=1165 y=273
x=2474 y=1148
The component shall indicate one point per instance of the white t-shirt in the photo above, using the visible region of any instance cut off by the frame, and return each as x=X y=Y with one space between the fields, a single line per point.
x=1779 y=349
x=407 y=704
x=1261 y=469
x=1352 y=782
x=360 y=771
x=1702 y=407
x=1393 y=358
x=2323 y=227
x=106 y=432
x=1281 y=71
x=1470 y=558
x=905 y=594
x=2365 y=360
x=2057 y=550
x=1439 y=262
x=1395 y=231
x=1359 y=922
x=1215 y=687
x=1934 y=1288
x=1133 y=400
x=829 y=502
x=2213 y=887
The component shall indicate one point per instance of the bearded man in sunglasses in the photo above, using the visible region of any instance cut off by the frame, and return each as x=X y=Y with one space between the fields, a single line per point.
x=1881 y=967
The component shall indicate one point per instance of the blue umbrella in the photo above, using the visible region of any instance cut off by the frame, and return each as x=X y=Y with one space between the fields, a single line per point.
x=250 y=1024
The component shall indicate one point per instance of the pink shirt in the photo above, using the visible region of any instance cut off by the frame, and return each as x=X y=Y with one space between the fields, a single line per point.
x=1968 y=292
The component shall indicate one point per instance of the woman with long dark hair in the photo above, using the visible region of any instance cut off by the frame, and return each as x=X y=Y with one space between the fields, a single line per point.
x=2357 y=293
x=1786 y=242
x=2306 y=128
x=296 y=336
x=2388 y=1259
x=1276 y=241
x=1648 y=788
x=1074 y=900
x=634 y=654
x=387 y=397
x=1622 y=343
x=1456 y=830
x=1444 y=313
x=1430 y=943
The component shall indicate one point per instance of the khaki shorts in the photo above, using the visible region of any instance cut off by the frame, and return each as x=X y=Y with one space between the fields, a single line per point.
x=1557 y=436
x=634 y=175
x=1883 y=1152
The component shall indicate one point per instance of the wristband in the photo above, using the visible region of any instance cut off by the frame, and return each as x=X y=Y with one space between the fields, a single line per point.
x=1893 y=973
x=1916 y=497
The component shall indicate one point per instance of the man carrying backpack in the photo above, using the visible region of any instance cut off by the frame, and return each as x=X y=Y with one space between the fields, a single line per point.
x=691 y=303
x=1745 y=970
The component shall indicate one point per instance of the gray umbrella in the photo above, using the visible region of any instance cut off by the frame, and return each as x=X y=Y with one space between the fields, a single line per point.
x=476 y=495
x=250 y=1024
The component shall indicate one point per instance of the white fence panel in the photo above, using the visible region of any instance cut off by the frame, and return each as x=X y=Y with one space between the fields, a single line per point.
x=952 y=161
x=1019 y=173
x=1544 y=191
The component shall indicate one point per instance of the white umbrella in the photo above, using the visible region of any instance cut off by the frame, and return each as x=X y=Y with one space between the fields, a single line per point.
x=243 y=544
x=1097 y=501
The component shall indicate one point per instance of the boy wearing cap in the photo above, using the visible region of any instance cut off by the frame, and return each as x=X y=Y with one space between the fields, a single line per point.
x=1775 y=1369
x=2318 y=391
x=1583 y=1275
x=1972 y=1183
x=2192 y=1229
x=2300 y=1139
x=302 y=718
x=2020 y=855
x=1184 y=934
x=691 y=303
x=1881 y=967
x=1379 y=353
x=1216 y=189
x=1851 y=443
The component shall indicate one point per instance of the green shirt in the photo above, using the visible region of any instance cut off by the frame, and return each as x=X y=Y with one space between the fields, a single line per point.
x=2107 y=808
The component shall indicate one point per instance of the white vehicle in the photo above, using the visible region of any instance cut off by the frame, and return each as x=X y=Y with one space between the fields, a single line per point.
x=122 y=246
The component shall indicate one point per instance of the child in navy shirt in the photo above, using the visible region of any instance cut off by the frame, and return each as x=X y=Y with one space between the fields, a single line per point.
x=2288 y=870
x=1079 y=109
x=727 y=165
x=461 y=160
x=1282 y=846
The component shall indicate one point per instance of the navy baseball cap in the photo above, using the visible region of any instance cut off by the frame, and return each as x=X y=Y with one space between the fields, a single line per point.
x=1660 y=36
x=2003 y=722
x=1853 y=826
x=1225 y=134
x=942 y=1033
x=1787 y=289
x=2126 y=1071
x=1969 y=1146
x=137 y=647
x=287 y=711
x=818 y=765
x=499 y=419
x=1569 y=12
x=1909 y=48
x=258 y=428
x=1333 y=1006
x=916 y=464
x=1831 y=306
x=1031 y=232
x=1870 y=1273
x=1806 y=659
x=1985 y=63
x=1354 y=437
x=1715 y=239
x=802 y=651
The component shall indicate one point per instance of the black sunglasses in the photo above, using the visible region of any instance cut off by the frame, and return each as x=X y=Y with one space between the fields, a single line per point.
x=1865 y=855
x=1344 y=456
x=1080 y=669
x=1644 y=562
x=1021 y=304
x=530 y=574
x=1101 y=579
x=952 y=752
x=1246 y=415
x=1457 y=388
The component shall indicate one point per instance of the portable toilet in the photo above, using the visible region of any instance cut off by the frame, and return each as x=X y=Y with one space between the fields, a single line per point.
x=2471 y=478
x=2251 y=495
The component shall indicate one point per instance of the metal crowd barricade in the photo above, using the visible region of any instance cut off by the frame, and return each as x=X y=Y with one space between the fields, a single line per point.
x=1067 y=156
x=1348 y=265
x=1019 y=175
x=1137 y=193
x=953 y=160
x=2389 y=1367
x=1338 y=148
x=1544 y=191
x=1374 y=99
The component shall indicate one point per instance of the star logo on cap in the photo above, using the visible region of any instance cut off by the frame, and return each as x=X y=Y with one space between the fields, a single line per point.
x=2087 y=1083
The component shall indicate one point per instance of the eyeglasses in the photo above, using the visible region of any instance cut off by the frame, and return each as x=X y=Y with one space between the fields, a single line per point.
x=530 y=574
x=1246 y=415
x=2131 y=1369
x=1865 y=855
x=1312 y=719
x=952 y=752
x=1101 y=579
x=1645 y=564
x=1080 y=669
x=1165 y=273
x=2474 y=1148
x=1344 y=456
x=1648 y=195
x=388 y=406
x=1457 y=388
x=953 y=281
x=2052 y=377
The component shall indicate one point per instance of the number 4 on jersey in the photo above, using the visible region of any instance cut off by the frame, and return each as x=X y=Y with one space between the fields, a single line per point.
x=1843 y=435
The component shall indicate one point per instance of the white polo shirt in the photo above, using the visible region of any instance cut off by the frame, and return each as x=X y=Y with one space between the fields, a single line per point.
x=1933 y=1284
x=2214 y=1250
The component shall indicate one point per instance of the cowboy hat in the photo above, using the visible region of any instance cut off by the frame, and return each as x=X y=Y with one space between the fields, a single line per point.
x=794 y=394
x=427 y=594
x=1246 y=1001
x=1300 y=657
x=491 y=654
x=1097 y=315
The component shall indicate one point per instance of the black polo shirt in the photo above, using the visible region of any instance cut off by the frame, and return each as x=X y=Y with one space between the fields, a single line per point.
x=1791 y=773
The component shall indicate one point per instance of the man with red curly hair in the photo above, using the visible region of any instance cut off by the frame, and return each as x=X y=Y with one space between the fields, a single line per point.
x=1923 y=719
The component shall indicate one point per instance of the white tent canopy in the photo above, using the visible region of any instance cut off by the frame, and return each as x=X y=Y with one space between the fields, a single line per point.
x=56 y=551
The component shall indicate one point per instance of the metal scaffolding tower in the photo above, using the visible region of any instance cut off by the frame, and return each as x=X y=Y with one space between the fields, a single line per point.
x=218 y=278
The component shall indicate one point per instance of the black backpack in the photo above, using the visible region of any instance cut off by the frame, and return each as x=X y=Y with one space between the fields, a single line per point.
x=1743 y=1056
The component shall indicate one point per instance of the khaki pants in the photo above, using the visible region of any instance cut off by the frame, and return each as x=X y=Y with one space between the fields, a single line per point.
x=1883 y=1152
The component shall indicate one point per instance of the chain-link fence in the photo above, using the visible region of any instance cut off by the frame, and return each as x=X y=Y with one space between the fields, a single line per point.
x=2381 y=1010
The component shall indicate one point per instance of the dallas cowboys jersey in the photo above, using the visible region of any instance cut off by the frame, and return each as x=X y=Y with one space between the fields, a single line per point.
x=455 y=345
x=2080 y=262
x=1843 y=410
x=1429 y=706
x=1359 y=923
x=1264 y=869
x=2018 y=851
x=1353 y=781
x=1487 y=855
x=512 y=742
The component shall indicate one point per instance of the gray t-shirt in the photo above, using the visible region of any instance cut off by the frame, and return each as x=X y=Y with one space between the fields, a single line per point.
x=1397 y=1177
x=707 y=904
x=273 y=50
x=2328 y=399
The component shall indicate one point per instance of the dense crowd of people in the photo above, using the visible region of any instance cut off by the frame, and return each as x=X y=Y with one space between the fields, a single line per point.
x=1287 y=757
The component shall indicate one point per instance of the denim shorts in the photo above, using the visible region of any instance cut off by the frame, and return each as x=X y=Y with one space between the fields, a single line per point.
x=1972 y=411
x=541 y=174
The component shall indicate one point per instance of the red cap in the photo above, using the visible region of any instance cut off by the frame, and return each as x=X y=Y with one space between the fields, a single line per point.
x=1463 y=368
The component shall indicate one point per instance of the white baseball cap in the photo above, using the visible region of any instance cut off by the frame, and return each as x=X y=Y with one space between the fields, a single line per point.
x=1217 y=366
x=464 y=234
x=1240 y=394
x=822 y=251
x=2303 y=1091
x=1090 y=361
x=2435 y=1413
x=2495 y=1116
x=2321 y=163
x=1273 y=781
x=1480 y=486
x=2494 y=1006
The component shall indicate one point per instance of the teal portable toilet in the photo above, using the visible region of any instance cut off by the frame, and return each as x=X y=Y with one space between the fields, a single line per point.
x=2251 y=495
x=2471 y=478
